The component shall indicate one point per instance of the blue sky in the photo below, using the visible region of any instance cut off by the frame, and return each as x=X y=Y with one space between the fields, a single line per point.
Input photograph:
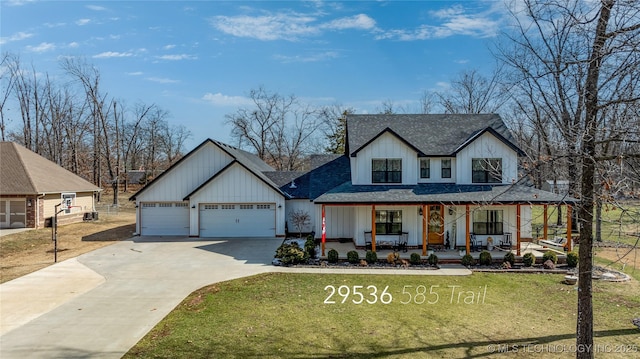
x=199 y=59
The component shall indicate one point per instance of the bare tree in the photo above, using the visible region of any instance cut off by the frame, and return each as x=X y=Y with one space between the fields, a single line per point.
x=472 y=93
x=277 y=128
x=574 y=63
x=7 y=80
x=334 y=126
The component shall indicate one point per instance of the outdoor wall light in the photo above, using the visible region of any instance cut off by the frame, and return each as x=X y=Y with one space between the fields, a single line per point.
x=279 y=206
x=29 y=202
x=193 y=206
x=420 y=211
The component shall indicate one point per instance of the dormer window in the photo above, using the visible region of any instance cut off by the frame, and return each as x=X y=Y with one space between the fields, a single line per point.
x=445 y=168
x=486 y=170
x=425 y=168
x=386 y=170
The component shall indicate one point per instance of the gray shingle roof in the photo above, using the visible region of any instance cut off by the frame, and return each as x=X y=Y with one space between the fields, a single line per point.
x=431 y=135
x=23 y=172
x=320 y=179
x=440 y=193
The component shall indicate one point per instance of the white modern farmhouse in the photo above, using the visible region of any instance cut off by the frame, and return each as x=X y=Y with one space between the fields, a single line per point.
x=415 y=180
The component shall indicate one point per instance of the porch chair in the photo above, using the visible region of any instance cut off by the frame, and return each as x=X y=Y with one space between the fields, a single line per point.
x=505 y=243
x=401 y=245
x=367 y=241
x=474 y=243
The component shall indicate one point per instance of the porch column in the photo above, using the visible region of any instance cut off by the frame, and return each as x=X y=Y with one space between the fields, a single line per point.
x=425 y=211
x=545 y=229
x=468 y=233
x=569 y=225
x=518 y=229
x=324 y=230
x=373 y=227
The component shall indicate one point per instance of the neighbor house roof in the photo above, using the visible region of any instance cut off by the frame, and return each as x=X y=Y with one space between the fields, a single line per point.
x=24 y=172
x=447 y=193
x=429 y=135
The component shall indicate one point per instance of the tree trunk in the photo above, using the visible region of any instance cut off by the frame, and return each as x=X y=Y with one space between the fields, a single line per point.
x=584 y=332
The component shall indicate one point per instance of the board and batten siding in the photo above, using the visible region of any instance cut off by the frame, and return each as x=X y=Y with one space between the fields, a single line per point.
x=305 y=205
x=487 y=146
x=187 y=175
x=385 y=146
x=237 y=185
x=339 y=221
x=436 y=170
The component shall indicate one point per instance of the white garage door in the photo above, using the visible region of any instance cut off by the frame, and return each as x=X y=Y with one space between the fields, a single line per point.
x=164 y=219
x=238 y=220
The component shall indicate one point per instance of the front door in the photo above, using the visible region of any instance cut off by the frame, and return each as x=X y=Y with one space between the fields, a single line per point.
x=436 y=224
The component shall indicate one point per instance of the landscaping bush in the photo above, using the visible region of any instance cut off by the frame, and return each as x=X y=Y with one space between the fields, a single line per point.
x=528 y=259
x=415 y=259
x=290 y=254
x=432 y=259
x=485 y=258
x=310 y=247
x=550 y=255
x=467 y=260
x=332 y=256
x=510 y=257
x=353 y=257
x=572 y=259
x=371 y=257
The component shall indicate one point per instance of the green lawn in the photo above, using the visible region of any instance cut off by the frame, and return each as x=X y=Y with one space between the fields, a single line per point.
x=285 y=316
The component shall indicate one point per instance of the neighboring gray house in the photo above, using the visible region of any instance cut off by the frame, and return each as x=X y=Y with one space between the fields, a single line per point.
x=557 y=186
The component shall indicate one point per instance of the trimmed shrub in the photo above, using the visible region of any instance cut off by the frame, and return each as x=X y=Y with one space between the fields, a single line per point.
x=310 y=247
x=528 y=259
x=550 y=255
x=415 y=259
x=485 y=258
x=510 y=257
x=332 y=256
x=353 y=257
x=572 y=259
x=371 y=257
x=290 y=254
x=467 y=260
x=432 y=259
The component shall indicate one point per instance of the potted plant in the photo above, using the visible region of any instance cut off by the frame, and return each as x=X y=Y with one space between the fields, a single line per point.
x=490 y=243
x=462 y=251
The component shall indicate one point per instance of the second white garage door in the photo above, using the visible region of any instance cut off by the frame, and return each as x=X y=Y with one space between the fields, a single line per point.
x=238 y=220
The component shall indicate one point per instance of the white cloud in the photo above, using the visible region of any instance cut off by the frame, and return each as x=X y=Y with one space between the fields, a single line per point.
x=321 y=56
x=18 y=2
x=453 y=21
x=219 y=99
x=169 y=47
x=82 y=22
x=42 y=47
x=162 y=80
x=360 y=22
x=15 y=37
x=73 y=44
x=177 y=57
x=109 y=54
x=269 y=27
x=136 y=73
x=96 y=7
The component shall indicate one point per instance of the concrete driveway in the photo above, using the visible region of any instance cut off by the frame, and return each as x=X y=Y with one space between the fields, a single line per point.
x=100 y=304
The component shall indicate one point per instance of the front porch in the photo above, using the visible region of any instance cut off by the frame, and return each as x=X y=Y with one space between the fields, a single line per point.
x=447 y=255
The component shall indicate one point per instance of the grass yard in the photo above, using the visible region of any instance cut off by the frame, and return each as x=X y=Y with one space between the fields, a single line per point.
x=284 y=316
